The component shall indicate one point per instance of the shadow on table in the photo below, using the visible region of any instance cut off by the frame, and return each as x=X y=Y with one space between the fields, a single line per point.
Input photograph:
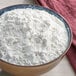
x=2 y=73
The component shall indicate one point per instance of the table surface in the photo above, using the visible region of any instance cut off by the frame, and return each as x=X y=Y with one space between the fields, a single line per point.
x=63 y=67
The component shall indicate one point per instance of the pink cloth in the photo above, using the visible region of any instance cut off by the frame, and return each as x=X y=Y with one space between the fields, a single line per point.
x=67 y=8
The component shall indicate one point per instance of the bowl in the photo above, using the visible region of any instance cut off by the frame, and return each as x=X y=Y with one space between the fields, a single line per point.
x=39 y=69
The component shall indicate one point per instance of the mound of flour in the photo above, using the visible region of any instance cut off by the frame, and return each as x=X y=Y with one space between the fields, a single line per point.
x=30 y=37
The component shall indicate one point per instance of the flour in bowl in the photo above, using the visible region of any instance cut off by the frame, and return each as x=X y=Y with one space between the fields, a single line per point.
x=30 y=37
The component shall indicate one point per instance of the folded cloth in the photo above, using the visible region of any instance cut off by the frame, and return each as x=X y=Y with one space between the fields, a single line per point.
x=67 y=8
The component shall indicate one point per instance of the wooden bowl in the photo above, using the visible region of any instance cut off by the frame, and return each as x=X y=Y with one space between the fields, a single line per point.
x=39 y=69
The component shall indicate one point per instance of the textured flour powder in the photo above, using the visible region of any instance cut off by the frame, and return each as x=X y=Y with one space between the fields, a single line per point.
x=31 y=37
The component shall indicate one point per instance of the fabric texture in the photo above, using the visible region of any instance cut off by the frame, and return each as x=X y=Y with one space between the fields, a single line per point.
x=66 y=8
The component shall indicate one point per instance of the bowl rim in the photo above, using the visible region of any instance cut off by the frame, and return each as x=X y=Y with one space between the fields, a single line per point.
x=69 y=30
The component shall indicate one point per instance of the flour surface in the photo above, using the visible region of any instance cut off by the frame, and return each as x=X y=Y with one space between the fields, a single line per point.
x=30 y=37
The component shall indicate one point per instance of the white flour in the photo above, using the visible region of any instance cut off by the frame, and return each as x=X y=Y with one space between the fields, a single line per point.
x=30 y=37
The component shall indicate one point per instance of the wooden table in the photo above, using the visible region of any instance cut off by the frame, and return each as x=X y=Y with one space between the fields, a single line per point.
x=63 y=68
